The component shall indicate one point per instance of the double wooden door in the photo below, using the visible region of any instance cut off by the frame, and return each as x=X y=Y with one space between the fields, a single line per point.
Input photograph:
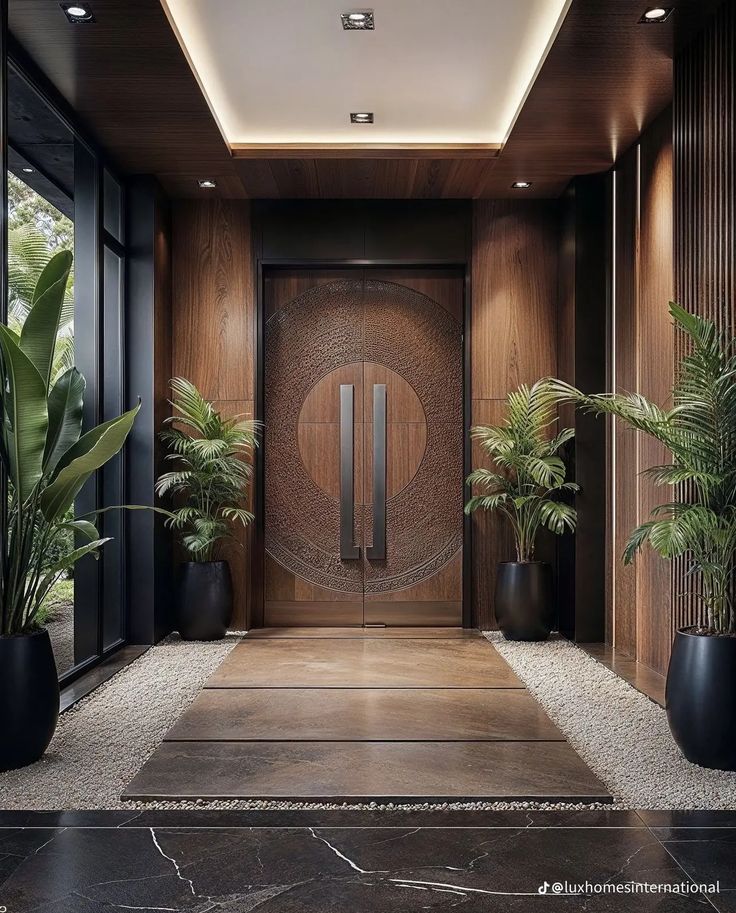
x=363 y=447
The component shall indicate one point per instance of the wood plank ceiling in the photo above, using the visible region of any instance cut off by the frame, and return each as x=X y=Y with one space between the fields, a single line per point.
x=606 y=77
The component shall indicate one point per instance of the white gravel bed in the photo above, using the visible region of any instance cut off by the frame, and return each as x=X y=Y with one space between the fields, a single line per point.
x=104 y=740
x=619 y=732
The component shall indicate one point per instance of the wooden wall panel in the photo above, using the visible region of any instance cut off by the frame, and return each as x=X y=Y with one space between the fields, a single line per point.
x=514 y=294
x=514 y=336
x=656 y=370
x=213 y=335
x=214 y=298
x=705 y=201
x=624 y=466
x=642 y=348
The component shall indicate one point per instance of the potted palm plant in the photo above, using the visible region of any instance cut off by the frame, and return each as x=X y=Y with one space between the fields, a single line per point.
x=46 y=461
x=209 y=483
x=699 y=523
x=524 y=485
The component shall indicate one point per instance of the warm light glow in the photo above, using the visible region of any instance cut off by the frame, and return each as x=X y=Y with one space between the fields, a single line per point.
x=657 y=13
x=490 y=55
x=521 y=185
x=207 y=184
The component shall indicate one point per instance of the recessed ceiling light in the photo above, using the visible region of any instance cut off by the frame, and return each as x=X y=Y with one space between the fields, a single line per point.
x=361 y=20
x=364 y=117
x=27 y=170
x=78 y=12
x=207 y=184
x=521 y=185
x=656 y=14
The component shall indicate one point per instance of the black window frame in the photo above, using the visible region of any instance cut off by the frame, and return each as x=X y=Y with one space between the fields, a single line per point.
x=97 y=327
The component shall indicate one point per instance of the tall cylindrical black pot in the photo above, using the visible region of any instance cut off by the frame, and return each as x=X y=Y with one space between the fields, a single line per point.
x=205 y=600
x=701 y=698
x=524 y=601
x=29 y=698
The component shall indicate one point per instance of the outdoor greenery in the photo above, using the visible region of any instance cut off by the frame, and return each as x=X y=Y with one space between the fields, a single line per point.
x=699 y=431
x=209 y=483
x=36 y=231
x=45 y=456
x=28 y=208
x=28 y=254
x=528 y=475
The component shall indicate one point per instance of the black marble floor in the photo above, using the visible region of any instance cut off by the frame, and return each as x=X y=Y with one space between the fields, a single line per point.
x=363 y=862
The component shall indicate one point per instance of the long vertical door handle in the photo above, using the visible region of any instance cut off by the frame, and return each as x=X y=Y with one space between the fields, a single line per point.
x=348 y=550
x=378 y=549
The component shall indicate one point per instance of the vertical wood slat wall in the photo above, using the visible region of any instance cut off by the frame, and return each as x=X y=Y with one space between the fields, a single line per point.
x=705 y=203
x=643 y=359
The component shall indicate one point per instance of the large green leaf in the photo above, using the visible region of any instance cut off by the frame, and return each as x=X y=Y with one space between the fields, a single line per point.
x=65 y=405
x=38 y=336
x=68 y=560
x=91 y=452
x=58 y=268
x=26 y=421
x=83 y=527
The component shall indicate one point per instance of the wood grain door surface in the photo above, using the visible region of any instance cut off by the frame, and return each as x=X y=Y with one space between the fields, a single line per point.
x=358 y=329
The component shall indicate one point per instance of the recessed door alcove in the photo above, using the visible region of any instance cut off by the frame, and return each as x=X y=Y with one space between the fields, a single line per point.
x=363 y=448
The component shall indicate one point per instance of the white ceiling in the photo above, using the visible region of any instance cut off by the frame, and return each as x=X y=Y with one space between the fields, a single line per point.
x=433 y=71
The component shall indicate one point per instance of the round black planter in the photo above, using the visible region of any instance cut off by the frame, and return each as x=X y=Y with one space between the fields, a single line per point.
x=524 y=601
x=29 y=698
x=205 y=600
x=701 y=698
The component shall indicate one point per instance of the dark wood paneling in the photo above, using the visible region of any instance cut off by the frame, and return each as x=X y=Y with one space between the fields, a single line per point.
x=514 y=334
x=643 y=361
x=214 y=298
x=128 y=80
x=705 y=202
x=605 y=77
x=514 y=295
x=625 y=377
x=213 y=335
x=656 y=358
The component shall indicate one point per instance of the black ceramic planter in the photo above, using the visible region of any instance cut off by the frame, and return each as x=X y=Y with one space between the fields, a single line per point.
x=701 y=698
x=29 y=698
x=205 y=600
x=524 y=602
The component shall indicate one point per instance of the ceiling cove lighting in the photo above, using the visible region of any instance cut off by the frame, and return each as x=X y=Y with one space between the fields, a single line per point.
x=207 y=184
x=363 y=117
x=358 y=20
x=656 y=14
x=78 y=12
x=229 y=45
x=521 y=185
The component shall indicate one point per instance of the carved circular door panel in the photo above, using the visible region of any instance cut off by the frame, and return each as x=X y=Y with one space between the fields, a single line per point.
x=363 y=332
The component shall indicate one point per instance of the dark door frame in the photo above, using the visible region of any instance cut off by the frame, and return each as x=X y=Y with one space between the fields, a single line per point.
x=264 y=265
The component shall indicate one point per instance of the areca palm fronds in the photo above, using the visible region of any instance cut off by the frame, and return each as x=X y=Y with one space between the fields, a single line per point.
x=212 y=459
x=699 y=431
x=528 y=475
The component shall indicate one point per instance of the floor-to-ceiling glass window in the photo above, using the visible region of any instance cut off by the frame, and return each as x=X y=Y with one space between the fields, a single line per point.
x=62 y=197
x=40 y=224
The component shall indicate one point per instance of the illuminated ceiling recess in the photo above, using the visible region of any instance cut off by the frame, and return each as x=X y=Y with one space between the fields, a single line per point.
x=285 y=72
